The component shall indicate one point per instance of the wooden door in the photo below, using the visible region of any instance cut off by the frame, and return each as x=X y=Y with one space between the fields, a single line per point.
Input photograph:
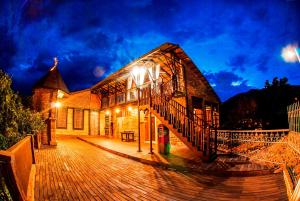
x=147 y=128
x=94 y=123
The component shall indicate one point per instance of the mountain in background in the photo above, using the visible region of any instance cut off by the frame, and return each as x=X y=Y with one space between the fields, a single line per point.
x=260 y=109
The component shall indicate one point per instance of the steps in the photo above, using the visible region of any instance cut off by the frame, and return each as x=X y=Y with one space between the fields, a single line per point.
x=195 y=133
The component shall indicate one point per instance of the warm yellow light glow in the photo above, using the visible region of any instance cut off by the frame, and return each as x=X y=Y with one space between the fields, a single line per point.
x=289 y=54
x=129 y=108
x=57 y=104
x=138 y=73
x=107 y=112
x=60 y=94
x=117 y=110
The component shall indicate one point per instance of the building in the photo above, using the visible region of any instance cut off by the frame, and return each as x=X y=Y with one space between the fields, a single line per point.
x=172 y=93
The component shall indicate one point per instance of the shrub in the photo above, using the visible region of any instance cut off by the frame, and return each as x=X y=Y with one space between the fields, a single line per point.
x=15 y=120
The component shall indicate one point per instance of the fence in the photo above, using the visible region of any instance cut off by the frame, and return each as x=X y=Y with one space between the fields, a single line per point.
x=228 y=139
x=294 y=143
x=294 y=117
x=17 y=171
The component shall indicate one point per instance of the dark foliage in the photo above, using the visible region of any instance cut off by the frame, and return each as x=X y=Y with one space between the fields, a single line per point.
x=15 y=120
x=265 y=108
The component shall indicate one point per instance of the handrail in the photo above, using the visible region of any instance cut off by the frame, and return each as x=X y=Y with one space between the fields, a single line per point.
x=190 y=125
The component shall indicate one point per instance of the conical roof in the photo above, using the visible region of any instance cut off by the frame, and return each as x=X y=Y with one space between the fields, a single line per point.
x=52 y=80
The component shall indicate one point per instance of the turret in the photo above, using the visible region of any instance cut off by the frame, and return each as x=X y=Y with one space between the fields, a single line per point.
x=45 y=94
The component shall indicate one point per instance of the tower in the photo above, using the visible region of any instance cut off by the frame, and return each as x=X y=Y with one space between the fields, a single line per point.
x=45 y=96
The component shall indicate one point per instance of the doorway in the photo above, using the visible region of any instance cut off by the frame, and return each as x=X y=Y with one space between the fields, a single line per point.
x=147 y=128
x=94 y=123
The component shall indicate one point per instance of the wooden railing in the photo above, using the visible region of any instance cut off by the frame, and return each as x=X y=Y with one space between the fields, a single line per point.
x=198 y=132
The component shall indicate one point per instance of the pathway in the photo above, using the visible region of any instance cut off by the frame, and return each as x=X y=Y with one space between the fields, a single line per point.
x=75 y=170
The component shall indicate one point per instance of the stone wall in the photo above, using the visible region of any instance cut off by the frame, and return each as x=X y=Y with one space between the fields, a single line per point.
x=196 y=87
x=42 y=100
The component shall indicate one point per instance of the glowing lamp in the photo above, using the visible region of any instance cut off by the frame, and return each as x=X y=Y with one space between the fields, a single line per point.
x=57 y=104
x=129 y=108
x=290 y=54
x=117 y=110
x=60 y=94
x=107 y=112
x=138 y=74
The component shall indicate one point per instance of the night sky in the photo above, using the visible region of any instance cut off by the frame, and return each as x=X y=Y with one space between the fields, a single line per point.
x=235 y=44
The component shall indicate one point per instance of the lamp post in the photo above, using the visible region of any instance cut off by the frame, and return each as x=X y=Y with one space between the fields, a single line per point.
x=153 y=73
x=150 y=113
x=138 y=74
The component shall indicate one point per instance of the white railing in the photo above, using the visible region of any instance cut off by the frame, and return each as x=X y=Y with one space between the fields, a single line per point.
x=229 y=138
x=294 y=117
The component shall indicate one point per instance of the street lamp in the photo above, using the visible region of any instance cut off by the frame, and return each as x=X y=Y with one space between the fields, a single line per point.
x=290 y=54
x=153 y=77
x=138 y=75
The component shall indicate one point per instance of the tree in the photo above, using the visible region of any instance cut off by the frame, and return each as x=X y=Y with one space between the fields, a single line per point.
x=283 y=81
x=267 y=84
x=275 y=82
x=15 y=120
x=9 y=106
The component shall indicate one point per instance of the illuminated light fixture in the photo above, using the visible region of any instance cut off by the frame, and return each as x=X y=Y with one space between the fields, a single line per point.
x=290 y=54
x=57 y=104
x=129 y=108
x=60 y=94
x=107 y=112
x=117 y=110
x=138 y=74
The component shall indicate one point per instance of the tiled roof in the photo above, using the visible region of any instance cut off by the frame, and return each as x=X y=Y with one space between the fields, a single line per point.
x=52 y=80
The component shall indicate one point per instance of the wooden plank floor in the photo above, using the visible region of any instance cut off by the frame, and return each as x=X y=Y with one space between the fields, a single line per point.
x=75 y=170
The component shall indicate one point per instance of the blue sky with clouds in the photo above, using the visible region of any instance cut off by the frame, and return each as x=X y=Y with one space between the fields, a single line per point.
x=235 y=44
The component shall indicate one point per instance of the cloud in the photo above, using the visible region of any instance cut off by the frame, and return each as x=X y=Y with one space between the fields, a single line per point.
x=226 y=36
x=227 y=84
x=238 y=62
x=262 y=63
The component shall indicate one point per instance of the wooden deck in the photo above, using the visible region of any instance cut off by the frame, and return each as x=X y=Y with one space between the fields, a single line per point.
x=75 y=170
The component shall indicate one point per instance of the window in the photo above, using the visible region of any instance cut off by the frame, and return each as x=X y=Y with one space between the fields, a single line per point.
x=120 y=98
x=111 y=100
x=104 y=102
x=78 y=119
x=61 y=120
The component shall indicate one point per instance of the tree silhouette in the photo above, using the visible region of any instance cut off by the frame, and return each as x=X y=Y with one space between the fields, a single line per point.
x=283 y=81
x=267 y=84
x=275 y=82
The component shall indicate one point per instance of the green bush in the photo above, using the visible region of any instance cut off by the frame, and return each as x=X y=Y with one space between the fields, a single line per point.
x=15 y=120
